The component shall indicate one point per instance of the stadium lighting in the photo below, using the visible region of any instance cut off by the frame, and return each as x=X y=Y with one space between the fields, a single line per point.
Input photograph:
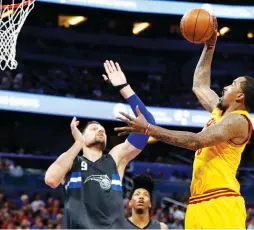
x=139 y=27
x=250 y=35
x=224 y=30
x=76 y=20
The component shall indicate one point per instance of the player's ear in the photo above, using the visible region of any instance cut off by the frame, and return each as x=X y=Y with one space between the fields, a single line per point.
x=240 y=97
x=130 y=203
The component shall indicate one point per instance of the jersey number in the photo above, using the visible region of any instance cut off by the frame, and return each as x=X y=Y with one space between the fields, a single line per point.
x=83 y=166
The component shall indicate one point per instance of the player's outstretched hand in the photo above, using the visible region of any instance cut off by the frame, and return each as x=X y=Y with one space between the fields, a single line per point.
x=114 y=73
x=212 y=41
x=77 y=135
x=135 y=125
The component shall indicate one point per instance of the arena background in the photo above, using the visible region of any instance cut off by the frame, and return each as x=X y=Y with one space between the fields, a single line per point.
x=60 y=52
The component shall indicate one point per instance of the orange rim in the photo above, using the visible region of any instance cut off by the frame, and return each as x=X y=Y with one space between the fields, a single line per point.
x=11 y=6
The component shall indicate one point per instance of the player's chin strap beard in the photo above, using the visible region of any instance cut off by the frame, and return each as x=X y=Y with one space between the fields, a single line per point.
x=139 y=211
x=102 y=145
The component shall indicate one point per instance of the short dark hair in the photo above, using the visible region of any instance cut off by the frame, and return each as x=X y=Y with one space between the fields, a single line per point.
x=143 y=181
x=90 y=123
x=248 y=90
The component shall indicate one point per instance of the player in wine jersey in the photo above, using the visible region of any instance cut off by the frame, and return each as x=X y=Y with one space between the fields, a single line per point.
x=140 y=203
x=93 y=182
x=215 y=200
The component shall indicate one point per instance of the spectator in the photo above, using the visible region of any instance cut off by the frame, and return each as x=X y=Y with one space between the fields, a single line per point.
x=36 y=203
x=175 y=176
x=177 y=213
x=16 y=170
x=251 y=224
x=2 y=199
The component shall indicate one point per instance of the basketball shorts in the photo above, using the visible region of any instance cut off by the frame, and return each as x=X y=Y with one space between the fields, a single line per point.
x=220 y=213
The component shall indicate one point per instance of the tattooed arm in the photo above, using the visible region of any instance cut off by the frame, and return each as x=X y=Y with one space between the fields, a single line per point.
x=202 y=77
x=230 y=127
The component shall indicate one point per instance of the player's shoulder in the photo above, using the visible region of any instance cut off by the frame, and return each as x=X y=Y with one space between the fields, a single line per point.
x=128 y=224
x=78 y=159
x=107 y=162
x=155 y=224
x=236 y=119
x=107 y=158
x=237 y=126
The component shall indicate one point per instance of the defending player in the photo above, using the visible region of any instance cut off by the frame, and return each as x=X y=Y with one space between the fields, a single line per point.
x=215 y=200
x=92 y=182
x=140 y=203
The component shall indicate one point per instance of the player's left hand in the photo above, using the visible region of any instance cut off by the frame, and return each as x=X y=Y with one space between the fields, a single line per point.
x=77 y=135
x=135 y=125
x=114 y=73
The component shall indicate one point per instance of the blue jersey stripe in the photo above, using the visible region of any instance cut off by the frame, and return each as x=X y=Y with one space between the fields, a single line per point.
x=116 y=187
x=75 y=174
x=74 y=185
x=115 y=176
x=72 y=175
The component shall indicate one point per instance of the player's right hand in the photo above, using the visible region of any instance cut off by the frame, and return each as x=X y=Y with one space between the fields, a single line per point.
x=212 y=41
x=77 y=135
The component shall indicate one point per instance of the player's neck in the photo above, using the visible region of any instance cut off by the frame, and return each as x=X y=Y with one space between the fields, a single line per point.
x=234 y=107
x=140 y=220
x=92 y=153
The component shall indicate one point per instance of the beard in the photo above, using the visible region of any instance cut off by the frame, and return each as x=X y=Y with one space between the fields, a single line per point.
x=99 y=142
x=221 y=101
x=140 y=211
x=220 y=104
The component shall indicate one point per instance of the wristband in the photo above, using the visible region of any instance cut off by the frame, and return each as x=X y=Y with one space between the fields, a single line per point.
x=118 y=87
x=210 y=46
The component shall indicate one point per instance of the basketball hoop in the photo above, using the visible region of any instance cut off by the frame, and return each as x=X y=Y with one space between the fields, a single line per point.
x=12 y=18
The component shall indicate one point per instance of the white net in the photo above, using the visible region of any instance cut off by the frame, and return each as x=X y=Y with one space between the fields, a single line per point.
x=12 y=18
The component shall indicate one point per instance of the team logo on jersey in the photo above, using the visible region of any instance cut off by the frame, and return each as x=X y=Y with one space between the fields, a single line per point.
x=104 y=181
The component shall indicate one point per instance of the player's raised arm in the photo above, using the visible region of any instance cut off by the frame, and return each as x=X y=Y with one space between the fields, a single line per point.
x=57 y=171
x=231 y=126
x=202 y=76
x=135 y=143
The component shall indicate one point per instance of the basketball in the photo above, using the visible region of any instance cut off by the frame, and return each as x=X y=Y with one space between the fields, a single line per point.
x=197 y=26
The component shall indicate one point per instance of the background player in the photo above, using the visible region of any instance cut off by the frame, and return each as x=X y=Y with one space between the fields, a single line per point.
x=92 y=181
x=215 y=192
x=141 y=203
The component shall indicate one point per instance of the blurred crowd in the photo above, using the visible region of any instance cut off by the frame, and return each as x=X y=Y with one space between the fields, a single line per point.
x=83 y=84
x=88 y=84
x=45 y=212
x=30 y=212
x=161 y=78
